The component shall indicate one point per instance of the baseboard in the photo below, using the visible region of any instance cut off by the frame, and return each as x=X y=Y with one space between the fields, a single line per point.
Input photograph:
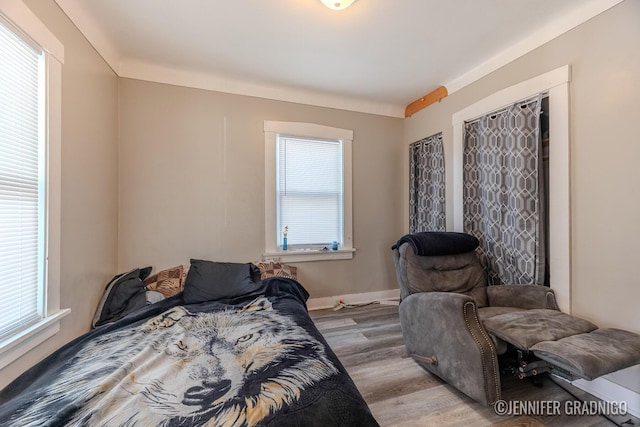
x=609 y=391
x=330 y=302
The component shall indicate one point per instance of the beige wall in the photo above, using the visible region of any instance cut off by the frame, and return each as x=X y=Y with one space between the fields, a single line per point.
x=187 y=179
x=605 y=90
x=192 y=183
x=89 y=182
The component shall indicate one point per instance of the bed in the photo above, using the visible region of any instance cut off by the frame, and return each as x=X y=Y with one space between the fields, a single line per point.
x=221 y=358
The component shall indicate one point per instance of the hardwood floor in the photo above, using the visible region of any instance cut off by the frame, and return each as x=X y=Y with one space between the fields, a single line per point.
x=368 y=341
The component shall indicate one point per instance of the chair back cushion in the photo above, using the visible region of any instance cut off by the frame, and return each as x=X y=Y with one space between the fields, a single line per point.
x=461 y=273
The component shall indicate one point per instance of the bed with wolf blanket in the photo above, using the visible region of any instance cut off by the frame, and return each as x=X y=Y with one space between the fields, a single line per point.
x=252 y=360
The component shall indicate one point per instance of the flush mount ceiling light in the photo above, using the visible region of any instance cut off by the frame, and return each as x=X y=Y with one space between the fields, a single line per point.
x=337 y=4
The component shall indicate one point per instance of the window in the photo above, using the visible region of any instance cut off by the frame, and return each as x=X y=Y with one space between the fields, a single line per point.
x=307 y=191
x=21 y=184
x=30 y=77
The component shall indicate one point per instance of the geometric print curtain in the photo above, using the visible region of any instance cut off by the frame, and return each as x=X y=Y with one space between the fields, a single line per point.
x=426 y=185
x=503 y=192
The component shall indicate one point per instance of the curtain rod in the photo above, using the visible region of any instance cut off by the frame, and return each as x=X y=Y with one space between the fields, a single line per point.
x=544 y=94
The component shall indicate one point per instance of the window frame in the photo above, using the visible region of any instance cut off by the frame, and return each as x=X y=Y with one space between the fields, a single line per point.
x=19 y=18
x=556 y=84
x=307 y=131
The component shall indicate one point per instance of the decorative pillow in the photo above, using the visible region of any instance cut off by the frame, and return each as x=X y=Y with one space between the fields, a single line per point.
x=122 y=295
x=276 y=269
x=209 y=280
x=168 y=282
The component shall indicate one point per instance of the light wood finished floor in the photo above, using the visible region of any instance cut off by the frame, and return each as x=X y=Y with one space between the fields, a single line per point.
x=368 y=342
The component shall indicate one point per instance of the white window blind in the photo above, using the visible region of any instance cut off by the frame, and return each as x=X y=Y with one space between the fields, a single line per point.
x=21 y=183
x=309 y=191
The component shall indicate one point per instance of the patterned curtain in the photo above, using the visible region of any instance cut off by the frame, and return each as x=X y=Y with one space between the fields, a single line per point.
x=503 y=186
x=426 y=185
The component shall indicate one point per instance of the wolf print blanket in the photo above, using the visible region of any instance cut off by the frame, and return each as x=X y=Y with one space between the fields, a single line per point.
x=253 y=361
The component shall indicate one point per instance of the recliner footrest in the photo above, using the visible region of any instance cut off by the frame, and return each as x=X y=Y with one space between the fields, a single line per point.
x=525 y=328
x=593 y=354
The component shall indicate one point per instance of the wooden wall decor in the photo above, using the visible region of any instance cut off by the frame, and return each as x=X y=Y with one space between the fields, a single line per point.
x=425 y=101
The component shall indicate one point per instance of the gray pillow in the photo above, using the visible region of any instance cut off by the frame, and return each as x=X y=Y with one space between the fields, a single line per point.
x=210 y=280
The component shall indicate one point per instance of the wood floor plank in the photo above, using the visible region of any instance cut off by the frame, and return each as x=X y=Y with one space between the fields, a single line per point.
x=368 y=341
x=378 y=380
x=330 y=324
x=357 y=358
x=437 y=406
x=345 y=339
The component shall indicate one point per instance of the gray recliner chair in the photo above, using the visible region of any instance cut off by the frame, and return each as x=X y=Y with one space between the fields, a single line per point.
x=460 y=329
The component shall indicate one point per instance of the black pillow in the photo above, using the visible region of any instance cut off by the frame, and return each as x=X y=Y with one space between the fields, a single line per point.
x=124 y=294
x=209 y=280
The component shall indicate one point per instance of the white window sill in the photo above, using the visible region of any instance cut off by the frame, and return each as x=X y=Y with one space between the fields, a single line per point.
x=19 y=344
x=304 y=255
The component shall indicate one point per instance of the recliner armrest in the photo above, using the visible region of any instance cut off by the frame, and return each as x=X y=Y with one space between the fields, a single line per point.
x=522 y=296
x=444 y=331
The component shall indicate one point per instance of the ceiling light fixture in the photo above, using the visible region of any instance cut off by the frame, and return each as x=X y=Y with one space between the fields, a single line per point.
x=337 y=4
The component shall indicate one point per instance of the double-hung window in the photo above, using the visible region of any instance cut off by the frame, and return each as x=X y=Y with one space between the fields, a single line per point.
x=30 y=81
x=308 y=192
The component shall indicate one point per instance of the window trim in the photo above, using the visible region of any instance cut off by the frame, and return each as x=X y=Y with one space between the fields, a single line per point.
x=19 y=17
x=306 y=130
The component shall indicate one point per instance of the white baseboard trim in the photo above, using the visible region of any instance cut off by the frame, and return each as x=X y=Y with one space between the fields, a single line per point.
x=609 y=391
x=330 y=302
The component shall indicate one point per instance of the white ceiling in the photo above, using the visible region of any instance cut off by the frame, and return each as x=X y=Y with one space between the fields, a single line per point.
x=377 y=56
